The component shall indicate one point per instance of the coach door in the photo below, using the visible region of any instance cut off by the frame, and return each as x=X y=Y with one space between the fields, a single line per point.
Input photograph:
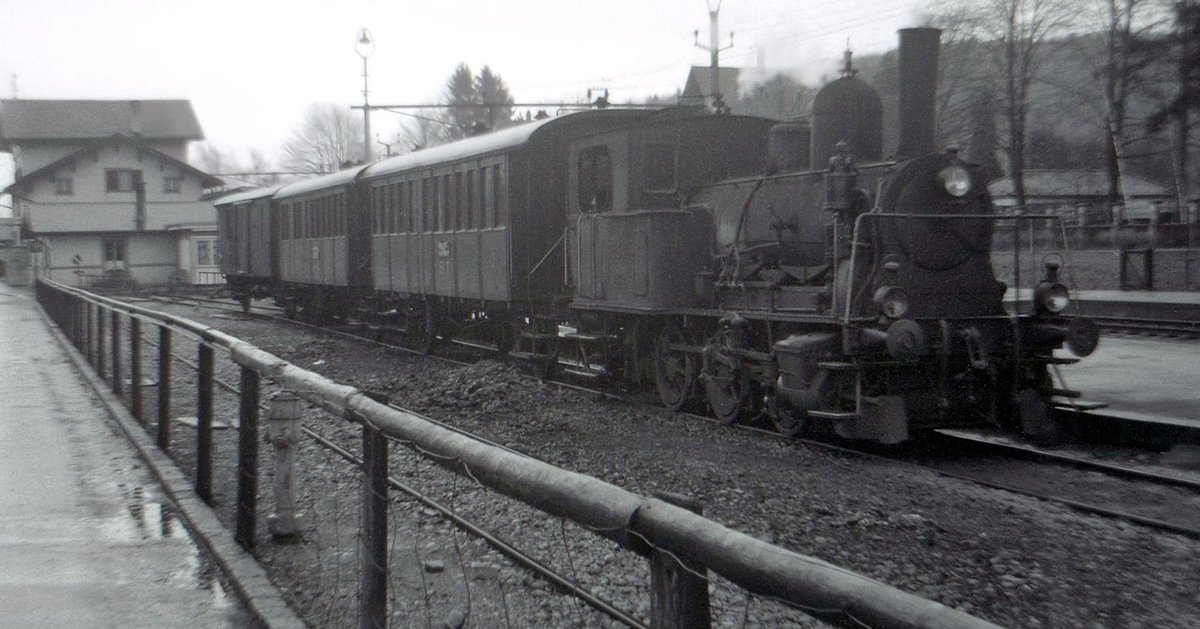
x=593 y=199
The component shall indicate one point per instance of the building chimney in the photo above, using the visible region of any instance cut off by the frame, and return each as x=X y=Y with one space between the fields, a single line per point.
x=135 y=117
x=918 y=90
x=139 y=190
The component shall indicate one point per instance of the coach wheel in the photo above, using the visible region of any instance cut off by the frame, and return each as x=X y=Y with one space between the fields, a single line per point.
x=428 y=330
x=727 y=391
x=504 y=333
x=245 y=301
x=675 y=370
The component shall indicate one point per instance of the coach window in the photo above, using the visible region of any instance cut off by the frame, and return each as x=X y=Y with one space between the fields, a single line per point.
x=393 y=207
x=485 y=204
x=459 y=202
x=404 y=220
x=385 y=221
x=444 y=197
x=472 y=210
x=499 y=197
x=595 y=179
x=658 y=166
x=411 y=213
x=404 y=208
x=426 y=201
x=384 y=201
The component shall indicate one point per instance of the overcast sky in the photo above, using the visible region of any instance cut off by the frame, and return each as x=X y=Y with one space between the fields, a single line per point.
x=250 y=67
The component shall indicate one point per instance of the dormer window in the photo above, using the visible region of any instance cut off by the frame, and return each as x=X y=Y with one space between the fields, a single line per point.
x=64 y=185
x=121 y=179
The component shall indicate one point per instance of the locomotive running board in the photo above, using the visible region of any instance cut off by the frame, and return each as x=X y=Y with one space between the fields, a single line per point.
x=1078 y=405
x=882 y=419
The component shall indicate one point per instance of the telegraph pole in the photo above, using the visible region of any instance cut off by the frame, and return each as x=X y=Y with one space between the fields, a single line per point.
x=714 y=50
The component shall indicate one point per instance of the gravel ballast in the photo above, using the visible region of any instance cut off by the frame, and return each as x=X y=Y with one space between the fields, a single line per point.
x=1013 y=560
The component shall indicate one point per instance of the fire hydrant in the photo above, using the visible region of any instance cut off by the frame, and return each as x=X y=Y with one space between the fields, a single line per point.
x=283 y=432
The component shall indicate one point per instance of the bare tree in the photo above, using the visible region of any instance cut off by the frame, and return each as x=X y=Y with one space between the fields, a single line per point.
x=329 y=137
x=1184 y=44
x=1022 y=28
x=212 y=159
x=418 y=132
x=1128 y=28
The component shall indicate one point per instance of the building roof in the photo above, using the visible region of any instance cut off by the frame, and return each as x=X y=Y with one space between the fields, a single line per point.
x=1074 y=183
x=205 y=178
x=89 y=119
x=698 y=87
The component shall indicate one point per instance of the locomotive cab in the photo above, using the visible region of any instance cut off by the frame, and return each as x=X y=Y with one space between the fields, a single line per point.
x=632 y=245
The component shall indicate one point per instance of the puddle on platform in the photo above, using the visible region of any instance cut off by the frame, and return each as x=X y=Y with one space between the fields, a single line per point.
x=146 y=518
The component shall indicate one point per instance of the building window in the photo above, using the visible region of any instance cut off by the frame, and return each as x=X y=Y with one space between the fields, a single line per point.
x=172 y=185
x=121 y=179
x=64 y=185
x=206 y=252
x=114 y=249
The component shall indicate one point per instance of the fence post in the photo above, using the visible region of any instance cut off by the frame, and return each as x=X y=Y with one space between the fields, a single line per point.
x=164 y=387
x=77 y=316
x=678 y=595
x=91 y=319
x=135 y=368
x=89 y=349
x=204 y=411
x=101 y=356
x=283 y=431
x=117 y=382
x=374 y=569
x=247 y=501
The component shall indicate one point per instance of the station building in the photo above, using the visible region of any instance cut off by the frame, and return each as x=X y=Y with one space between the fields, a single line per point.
x=103 y=192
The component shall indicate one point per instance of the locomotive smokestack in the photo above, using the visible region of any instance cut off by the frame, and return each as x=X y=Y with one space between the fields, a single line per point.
x=918 y=90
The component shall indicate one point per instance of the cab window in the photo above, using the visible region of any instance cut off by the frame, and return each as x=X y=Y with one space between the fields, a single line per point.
x=595 y=179
x=658 y=164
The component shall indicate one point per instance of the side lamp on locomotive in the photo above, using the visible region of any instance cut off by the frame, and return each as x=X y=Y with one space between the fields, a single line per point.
x=1050 y=299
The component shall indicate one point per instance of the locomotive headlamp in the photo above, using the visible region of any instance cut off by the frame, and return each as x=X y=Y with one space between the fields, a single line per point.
x=1051 y=297
x=893 y=301
x=956 y=180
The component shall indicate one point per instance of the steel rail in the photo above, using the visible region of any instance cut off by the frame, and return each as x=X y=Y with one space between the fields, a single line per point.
x=1111 y=469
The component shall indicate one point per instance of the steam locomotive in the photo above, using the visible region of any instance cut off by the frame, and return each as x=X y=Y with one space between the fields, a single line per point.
x=767 y=271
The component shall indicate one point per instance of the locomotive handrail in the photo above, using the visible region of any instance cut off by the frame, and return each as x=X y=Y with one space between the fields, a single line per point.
x=635 y=522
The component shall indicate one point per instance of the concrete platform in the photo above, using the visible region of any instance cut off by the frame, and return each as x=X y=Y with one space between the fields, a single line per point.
x=1142 y=378
x=87 y=538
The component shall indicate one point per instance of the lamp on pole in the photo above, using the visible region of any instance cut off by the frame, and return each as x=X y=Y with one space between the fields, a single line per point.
x=364 y=47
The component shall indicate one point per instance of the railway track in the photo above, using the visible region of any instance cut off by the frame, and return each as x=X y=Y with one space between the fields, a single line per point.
x=1150 y=327
x=973 y=458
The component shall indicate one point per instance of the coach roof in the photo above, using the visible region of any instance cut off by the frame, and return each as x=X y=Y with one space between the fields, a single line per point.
x=332 y=180
x=242 y=196
x=497 y=141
